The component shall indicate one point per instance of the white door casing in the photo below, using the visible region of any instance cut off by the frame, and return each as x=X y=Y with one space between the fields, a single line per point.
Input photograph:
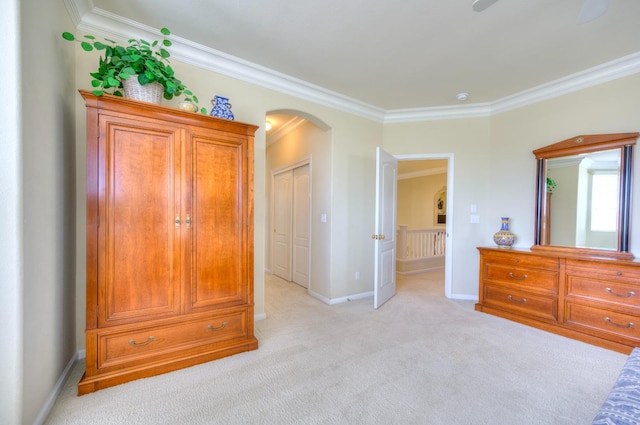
x=385 y=228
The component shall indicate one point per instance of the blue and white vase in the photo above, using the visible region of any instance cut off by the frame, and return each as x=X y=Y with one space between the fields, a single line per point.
x=221 y=108
x=504 y=238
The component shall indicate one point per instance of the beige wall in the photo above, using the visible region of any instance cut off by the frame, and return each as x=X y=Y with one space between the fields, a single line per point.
x=494 y=167
x=42 y=202
x=10 y=191
x=416 y=198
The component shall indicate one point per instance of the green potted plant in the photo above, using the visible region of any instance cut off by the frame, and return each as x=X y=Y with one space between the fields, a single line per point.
x=140 y=60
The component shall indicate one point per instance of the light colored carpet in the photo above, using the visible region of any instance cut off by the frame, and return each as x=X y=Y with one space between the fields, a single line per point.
x=420 y=359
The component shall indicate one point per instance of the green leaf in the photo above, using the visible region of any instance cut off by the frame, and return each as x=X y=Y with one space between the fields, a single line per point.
x=144 y=78
x=165 y=31
x=87 y=47
x=89 y=37
x=113 y=82
x=164 y=53
x=98 y=92
x=68 y=36
x=167 y=43
x=95 y=83
x=99 y=46
x=126 y=73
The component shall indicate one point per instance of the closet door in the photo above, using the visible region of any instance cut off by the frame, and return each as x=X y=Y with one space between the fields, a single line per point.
x=139 y=166
x=218 y=174
x=301 y=225
x=282 y=217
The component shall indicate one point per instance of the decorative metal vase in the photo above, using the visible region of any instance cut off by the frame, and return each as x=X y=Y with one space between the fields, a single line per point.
x=221 y=108
x=504 y=238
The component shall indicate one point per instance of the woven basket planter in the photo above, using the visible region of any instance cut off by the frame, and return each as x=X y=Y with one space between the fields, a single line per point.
x=152 y=92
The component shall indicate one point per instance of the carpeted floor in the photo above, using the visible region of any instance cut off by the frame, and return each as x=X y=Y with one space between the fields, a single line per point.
x=419 y=359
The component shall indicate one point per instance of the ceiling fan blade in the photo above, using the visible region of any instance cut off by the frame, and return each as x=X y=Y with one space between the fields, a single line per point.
x=592 y=10
x=480 y=5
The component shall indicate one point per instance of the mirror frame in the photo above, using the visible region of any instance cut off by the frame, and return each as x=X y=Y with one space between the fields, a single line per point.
x=587 y=144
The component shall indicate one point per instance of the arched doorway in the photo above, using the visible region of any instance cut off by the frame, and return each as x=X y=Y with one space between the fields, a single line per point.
x=298 y=196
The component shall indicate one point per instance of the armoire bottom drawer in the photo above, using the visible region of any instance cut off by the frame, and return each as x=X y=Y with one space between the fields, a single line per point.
x=521 y=302
x=117 y=348
x=601 y=322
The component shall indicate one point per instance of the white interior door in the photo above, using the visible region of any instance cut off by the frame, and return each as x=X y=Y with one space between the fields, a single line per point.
x=301 y=225
x=282 y=220
x=385 y=228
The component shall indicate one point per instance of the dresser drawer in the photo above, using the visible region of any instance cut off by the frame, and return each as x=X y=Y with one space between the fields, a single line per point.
x=519 y=259
x=617 y=272
x=530 y=278
x=601 y=322
x=158 y=342
x=610 y=291
x=521 y=302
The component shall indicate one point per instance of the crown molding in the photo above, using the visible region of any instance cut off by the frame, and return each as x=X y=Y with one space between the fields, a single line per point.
x=285 y=129
x=90 y=19
x=422 y=173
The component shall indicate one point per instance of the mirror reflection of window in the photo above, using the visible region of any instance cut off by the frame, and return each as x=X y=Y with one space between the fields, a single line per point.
x=604 y=202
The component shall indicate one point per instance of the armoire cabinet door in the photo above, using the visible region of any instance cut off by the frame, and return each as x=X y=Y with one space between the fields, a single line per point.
x=139 y=220
x=219 y=238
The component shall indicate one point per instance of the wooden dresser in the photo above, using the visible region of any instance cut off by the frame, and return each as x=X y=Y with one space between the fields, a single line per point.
x=592 y=299
x=169 y=240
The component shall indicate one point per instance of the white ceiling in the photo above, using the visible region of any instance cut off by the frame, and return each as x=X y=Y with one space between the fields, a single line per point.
x=398 y=54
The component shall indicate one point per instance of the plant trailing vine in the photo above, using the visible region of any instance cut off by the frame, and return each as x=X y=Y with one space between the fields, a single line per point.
x=148 y=60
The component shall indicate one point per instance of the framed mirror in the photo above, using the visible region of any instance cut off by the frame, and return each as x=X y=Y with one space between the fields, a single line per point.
x=583 y=195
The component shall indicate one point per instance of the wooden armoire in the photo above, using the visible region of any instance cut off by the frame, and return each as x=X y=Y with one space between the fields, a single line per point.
x=169 y=240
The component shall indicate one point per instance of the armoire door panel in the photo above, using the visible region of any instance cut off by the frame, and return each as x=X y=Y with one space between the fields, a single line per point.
x=218 y=204
x=140 y=269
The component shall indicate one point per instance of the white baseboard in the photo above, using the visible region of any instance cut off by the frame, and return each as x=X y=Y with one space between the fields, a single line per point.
x=464 y=297
x=51 y=400
x=260 y=316
x=332 y=301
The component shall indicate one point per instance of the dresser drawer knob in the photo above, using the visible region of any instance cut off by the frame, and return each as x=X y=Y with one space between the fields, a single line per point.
x=213 y=328
x=619 y=273
x=141 y=344
x=513 y=276
x=629 y=294
x=627 y=326
x=522 y=301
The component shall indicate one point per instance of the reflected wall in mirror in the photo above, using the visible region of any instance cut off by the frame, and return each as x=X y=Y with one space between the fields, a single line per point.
x=583 y=194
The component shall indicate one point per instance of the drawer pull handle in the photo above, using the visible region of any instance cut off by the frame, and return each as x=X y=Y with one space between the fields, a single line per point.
x=627 y=326
x=213 y=328
x=513 y=276
x=141 y=344
x=522 y=301
x=629 y=294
